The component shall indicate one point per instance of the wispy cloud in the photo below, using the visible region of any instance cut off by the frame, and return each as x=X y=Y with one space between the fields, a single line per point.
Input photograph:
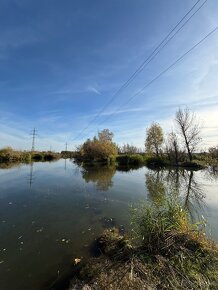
x=71 y=70
x=93 y=90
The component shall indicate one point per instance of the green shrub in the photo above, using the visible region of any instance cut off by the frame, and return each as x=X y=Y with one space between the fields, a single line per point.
x=111 y=160
x=192 y=164
x=122 y=159
x=37 y=156
x=156 y=162
x=48 y=156
x=134 y=159
x=26 y=157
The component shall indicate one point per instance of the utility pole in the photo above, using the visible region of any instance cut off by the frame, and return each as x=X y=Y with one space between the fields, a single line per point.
x=33 y=134
x=65 y=164
x=31 y=174
x=66 y=147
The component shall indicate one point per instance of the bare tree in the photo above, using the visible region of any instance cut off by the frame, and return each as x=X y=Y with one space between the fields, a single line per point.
x=189 y=128
x=213 y=151
x=172 y=147
x=129 y=149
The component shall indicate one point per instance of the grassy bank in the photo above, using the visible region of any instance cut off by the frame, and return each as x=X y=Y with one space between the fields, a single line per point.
x=164 y=251
x=121 y=159
x=9 y=155
x=139 y=159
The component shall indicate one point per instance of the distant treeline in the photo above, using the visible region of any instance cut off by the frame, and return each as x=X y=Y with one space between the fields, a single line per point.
x=8 y=154
x=177 y=147
x=68 y=154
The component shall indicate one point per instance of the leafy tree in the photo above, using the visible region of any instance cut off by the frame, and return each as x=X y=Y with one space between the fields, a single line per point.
x=98 y=148
x=189 y=129
x=154 y=139
x=105 y=135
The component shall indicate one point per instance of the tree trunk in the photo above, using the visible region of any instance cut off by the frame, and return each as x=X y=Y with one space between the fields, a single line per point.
x=187 y=146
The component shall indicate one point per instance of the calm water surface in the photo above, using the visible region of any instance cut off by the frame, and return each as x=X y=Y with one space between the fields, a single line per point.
x=50 y=213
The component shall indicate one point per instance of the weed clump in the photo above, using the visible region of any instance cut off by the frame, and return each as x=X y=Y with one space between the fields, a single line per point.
x=114 y=245
x=165 y=251
x=183 y=257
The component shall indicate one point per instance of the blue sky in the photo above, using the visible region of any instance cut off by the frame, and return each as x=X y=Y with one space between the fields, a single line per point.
x=62 y=61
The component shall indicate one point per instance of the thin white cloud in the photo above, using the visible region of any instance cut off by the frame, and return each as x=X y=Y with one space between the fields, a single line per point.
x=93 y=90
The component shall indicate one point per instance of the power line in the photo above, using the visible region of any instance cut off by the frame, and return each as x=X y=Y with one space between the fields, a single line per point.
x=154 y=53
x=33 y=134
x=163 y=72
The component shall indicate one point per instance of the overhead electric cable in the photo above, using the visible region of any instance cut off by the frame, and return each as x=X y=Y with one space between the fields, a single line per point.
x=156 y=51
x=163 y=72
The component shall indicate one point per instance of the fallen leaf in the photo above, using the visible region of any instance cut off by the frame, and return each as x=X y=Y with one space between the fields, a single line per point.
x=77 y=261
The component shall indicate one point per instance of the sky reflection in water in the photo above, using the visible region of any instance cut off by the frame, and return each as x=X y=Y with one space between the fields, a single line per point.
x=50 y=213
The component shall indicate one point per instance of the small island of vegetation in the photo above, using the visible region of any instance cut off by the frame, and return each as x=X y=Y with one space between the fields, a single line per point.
x=177 y=148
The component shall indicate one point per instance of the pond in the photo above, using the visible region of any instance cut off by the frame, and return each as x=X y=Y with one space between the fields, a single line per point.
x=50 y=213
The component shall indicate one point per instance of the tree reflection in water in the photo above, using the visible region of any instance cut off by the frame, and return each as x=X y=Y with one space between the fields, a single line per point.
x=194 y=196
x=175 y=182
x=212 y=173
x=9 y=165
x=155 y=186
x=100 y=175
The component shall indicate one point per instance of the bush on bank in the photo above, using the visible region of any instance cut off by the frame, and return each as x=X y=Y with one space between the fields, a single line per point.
x=153 y=161
x=7 y=154
x=96 y=150
x=132 y=159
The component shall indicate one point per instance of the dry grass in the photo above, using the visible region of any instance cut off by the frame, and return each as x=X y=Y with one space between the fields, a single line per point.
x=166 y=253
